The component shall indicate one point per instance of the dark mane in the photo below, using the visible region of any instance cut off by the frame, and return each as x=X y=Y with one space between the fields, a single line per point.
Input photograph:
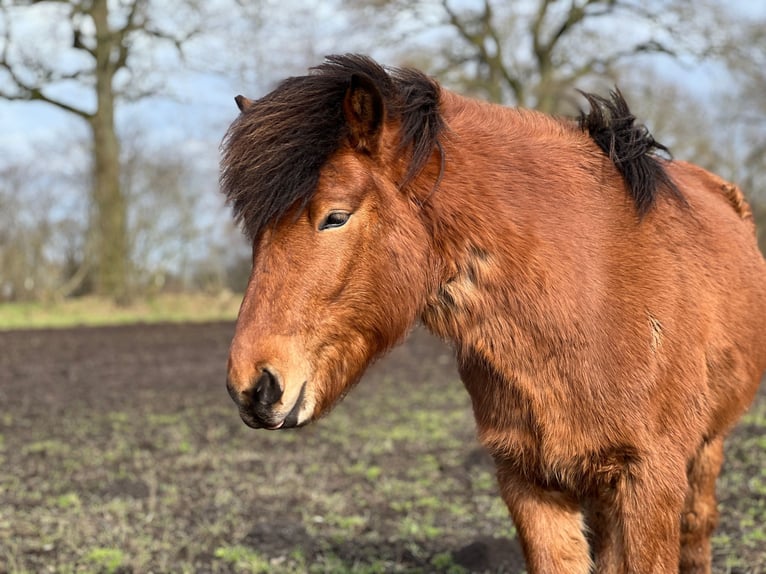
x=630 y=146
x=274 y=151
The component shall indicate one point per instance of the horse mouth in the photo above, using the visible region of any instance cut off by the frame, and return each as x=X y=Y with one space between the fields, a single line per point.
x=289 y=421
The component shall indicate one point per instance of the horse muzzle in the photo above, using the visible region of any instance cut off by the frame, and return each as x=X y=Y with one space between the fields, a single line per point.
x=259 y=404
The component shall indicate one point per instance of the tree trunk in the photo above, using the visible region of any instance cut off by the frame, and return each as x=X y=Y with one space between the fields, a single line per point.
x=109 y=226
x=546 y=86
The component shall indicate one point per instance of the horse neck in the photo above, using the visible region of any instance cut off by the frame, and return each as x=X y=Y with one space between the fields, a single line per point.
x=497 y=164
x=486 y=217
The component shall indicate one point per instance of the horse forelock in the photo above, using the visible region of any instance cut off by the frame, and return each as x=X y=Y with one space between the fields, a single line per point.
x=631 y=147
x=274 y=151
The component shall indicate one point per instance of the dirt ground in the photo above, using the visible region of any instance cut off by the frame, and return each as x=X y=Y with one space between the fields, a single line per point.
x=120 y=451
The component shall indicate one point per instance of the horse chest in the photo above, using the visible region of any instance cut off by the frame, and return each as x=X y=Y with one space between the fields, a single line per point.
x=509 y=417
x=548 y=434
x=533 y=373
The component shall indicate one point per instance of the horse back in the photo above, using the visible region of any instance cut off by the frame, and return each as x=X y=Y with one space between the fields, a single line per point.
x=726 y=283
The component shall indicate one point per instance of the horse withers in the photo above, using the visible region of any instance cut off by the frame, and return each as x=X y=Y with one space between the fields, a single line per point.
x=606 y=304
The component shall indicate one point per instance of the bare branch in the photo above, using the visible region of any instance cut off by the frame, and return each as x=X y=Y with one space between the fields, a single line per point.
x=478 y=40
x=602 y=64
x=26 y=91
x=177 y=41
x=131 y=25
x=537 y=30
x=514 y=82
x=577 y=14
x=36 y=94
x=457 y=23
x=78 y=44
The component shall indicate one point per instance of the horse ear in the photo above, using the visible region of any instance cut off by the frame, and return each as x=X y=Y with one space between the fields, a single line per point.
x=364 y=111
x=243 y=103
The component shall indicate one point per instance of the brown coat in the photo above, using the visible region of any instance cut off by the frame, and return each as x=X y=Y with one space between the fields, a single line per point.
x=606 y=305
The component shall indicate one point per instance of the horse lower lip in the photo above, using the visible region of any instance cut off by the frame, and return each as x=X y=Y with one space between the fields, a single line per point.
x=251 y=422
x=291 y=420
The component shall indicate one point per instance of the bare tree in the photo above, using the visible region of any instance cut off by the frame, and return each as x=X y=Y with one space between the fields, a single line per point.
x=40 y=242
x=745 y=112
x=105 y=40
x=532 y=53
x=164 y=190
x=747 y=60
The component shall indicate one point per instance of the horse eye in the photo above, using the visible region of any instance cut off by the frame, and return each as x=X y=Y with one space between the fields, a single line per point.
x=334 y=219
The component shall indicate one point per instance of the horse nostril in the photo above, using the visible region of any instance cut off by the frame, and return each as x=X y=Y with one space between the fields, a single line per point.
x=267 y=390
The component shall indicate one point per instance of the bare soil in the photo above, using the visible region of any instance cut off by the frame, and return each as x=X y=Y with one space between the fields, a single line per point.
x=120 y=451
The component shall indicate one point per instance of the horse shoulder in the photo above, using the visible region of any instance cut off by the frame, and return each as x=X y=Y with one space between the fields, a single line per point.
x=729 y=281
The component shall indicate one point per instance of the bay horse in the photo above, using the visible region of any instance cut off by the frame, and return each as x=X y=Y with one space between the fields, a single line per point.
x=606 y=303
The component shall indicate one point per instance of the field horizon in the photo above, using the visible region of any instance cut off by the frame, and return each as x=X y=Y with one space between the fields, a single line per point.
x=93 y=311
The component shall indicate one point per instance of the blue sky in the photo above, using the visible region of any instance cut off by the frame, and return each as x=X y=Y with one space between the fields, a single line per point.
x=196 y=107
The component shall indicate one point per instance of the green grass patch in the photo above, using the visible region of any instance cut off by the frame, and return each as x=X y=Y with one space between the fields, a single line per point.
x=443 y=563
x=106 y=559
x=243 y=559
x=93 y=311
x=68 y=500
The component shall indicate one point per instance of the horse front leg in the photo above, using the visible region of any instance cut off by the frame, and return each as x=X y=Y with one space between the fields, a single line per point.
x=604 y=537
x=549 y=524
x=700 y=514
x=636 y=520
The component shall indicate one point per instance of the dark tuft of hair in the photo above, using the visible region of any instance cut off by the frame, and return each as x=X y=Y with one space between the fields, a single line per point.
x=630 y=146
x=273 y=152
